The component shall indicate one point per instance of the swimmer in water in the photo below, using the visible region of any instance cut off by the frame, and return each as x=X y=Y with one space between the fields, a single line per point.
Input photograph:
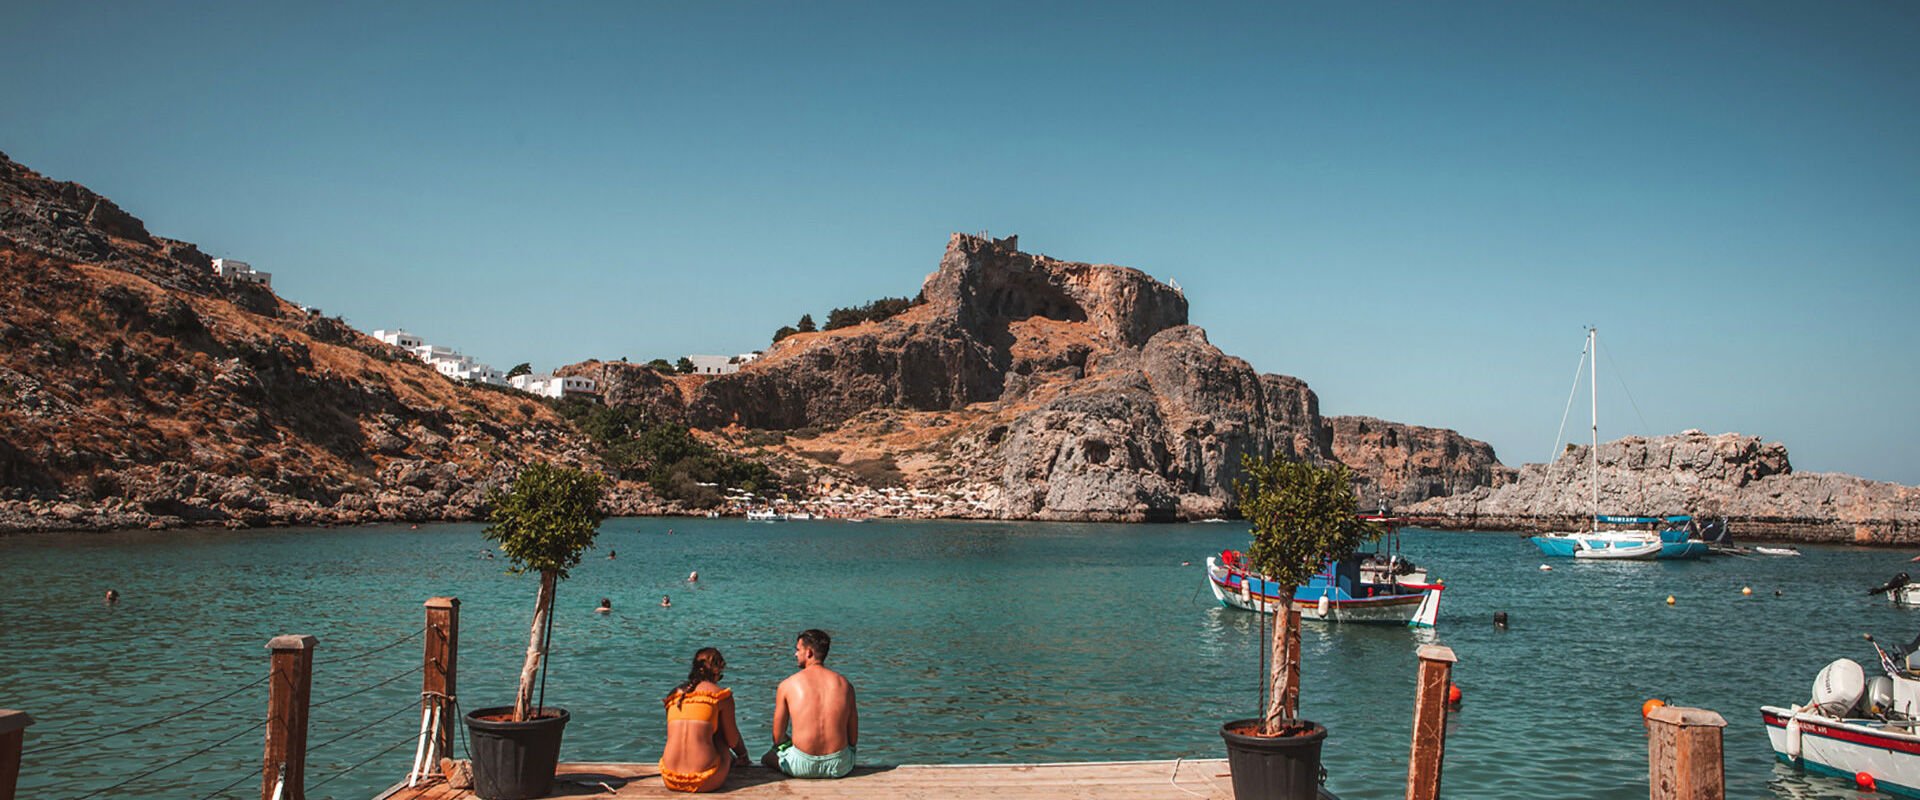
x=606 y=606
x=112 y=597
x=611 y=554
x=666 y=602
x=693 y=577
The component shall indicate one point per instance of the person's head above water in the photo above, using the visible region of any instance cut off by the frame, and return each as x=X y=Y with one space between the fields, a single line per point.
x=813 y=643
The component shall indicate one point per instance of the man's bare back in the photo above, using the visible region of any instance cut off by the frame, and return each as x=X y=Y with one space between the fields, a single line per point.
x=819 y=705
x=816 y=722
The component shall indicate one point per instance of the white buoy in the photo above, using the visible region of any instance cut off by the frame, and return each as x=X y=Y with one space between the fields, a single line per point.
x=1324 y=606
x=1546 y=568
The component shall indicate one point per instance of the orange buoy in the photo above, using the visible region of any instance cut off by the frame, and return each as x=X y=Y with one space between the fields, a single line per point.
x=1865 y=782
x=1647 y=708
x=1454 y=695
x=1669 y=599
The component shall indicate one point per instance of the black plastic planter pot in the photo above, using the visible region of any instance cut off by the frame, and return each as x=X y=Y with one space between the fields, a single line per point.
x=1277 y=768
x=515 y=760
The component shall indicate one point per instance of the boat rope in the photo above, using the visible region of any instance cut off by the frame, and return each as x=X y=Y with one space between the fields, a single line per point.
x=1174 y=778
x=409 y=671
x=176 y=762
x=369 y=759
x=224 y=789
x=410 y=706
x=54 y=748
x=389 y=646
x=1571 y=392
x=1645 y=429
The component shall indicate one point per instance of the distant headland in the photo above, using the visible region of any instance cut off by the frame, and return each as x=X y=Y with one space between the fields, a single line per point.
x=142 y=385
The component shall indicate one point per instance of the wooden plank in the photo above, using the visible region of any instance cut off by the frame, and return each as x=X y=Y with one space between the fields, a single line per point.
x=1119 y=780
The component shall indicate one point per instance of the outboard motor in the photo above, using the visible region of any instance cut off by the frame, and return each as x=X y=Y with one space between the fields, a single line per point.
x=1838 y=687
x=1893 y=583
x=1879 y=701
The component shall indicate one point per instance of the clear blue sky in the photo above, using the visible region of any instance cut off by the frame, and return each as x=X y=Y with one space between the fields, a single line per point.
x=1414 y=207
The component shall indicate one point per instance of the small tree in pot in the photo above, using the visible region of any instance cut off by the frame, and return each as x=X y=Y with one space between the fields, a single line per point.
x=1303 y=517
x=544 y=522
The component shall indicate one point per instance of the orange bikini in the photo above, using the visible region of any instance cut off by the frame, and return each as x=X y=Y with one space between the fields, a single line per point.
x=697 y=707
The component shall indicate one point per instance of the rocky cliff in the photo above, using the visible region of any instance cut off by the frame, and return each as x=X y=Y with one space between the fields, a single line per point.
x=1399 y=464
x=136 y=390
x=1743 y=478
x=1034 y=388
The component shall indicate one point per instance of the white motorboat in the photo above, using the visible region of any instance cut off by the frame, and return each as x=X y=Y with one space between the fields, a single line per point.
x=763 y=515
x=1901 y=590
x=1776 y=551
x=1855 y=725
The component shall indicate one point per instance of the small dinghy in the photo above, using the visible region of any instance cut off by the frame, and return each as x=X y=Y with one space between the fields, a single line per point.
x=1776 y=551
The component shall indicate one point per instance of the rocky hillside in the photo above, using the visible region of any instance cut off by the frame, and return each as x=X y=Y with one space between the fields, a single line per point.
x=1747 y=480
x=1026 y=387
x=137 y=390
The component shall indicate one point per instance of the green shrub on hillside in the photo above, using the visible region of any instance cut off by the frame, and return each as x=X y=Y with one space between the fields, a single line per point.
x=665 y=455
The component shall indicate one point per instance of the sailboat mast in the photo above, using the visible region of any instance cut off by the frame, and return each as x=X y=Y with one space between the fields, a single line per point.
x=1593 y=386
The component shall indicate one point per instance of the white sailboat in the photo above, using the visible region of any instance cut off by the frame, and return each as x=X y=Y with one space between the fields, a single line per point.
x=1613 y=544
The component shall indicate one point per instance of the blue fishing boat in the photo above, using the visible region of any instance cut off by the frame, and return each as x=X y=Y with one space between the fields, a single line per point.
x=1352 y=590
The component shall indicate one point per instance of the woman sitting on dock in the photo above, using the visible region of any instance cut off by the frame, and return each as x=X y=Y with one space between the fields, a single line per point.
x=701 y=729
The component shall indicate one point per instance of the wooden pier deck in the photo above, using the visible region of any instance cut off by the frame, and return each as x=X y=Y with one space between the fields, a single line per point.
x=1108 y=780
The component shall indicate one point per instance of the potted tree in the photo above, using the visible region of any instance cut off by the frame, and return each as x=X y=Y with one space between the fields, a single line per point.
x=543 y=524
x=1302 y=517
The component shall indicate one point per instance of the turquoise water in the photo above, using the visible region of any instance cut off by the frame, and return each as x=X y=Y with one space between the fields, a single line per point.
x=969 y=642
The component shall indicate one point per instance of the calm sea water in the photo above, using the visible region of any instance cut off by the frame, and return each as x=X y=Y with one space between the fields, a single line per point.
x=969 y=642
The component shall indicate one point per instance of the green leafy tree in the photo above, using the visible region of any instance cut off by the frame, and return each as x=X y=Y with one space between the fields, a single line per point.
x=805 y=325
x=1302 y=516
x=661 y=365
x=784 y=332
x=544 y=522
x=522 y=368
x=684 y=366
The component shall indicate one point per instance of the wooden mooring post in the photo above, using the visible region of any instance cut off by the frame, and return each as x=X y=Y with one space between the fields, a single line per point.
x=13 y=734
x=1430 y=722
x=1683 y=754
x=289 y=690
x=441 y=667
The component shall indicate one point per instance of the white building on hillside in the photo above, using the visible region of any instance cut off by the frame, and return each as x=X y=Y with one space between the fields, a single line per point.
x=241 y=272
x=546 y=384
x=714 y=365
x=398 y=338
x=720 y=365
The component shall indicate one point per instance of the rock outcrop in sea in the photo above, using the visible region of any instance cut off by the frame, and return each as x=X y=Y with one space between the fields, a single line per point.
x=1748 y=480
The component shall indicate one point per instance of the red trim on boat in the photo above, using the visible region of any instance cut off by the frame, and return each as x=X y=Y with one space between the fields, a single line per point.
x=1845 y=735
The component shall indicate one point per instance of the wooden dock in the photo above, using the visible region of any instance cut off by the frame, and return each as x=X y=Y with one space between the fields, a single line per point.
x=1108 y=780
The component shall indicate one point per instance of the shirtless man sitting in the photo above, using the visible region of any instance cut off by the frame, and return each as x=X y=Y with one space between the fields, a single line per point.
x=817 y=703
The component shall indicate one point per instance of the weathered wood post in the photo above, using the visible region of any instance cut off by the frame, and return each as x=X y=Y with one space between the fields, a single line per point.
x=1683 y=754
x=13 y=734
x=1430 y=722
x=289 y=689
x=440 y=670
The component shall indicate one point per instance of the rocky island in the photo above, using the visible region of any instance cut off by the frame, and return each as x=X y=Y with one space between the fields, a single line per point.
x=138 y=389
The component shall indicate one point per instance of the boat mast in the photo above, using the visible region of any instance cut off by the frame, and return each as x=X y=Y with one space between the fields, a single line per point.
x=1593 y=386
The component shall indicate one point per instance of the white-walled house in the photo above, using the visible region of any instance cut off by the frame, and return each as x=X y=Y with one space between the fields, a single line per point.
x=241 y=271
x=398 y=338
x=714 y=365
x=547 y=384
x=720 y=365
